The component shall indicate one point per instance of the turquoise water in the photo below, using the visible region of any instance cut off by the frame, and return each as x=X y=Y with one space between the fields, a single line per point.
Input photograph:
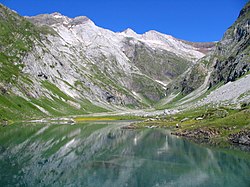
x=103 y=154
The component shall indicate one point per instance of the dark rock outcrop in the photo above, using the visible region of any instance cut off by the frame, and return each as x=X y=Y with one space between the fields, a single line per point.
x=228 y=60
x=242 y=137
x=231 y=56
x=199 y=134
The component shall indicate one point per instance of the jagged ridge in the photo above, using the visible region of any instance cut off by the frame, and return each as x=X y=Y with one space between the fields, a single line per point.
x=73 y=62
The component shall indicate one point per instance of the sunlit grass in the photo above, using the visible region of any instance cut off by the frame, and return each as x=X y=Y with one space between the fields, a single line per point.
x=81 y=119
x=106 y=118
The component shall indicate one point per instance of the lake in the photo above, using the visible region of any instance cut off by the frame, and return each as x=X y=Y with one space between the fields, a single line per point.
x=102 y=154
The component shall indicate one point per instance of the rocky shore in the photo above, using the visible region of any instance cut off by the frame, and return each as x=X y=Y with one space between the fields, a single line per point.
x=205 y=133
x=214 y=126
x=242 y=137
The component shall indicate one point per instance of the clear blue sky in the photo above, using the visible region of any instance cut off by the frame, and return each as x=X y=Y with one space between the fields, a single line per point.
x=193 y=20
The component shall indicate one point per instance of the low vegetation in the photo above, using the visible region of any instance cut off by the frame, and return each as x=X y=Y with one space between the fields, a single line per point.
x=217 y=126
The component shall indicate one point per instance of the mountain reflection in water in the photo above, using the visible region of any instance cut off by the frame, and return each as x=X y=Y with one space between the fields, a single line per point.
x=103 y=154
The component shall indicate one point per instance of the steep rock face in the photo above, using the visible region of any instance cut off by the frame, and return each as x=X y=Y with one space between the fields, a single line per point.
x=16 y=40
x=232 y=55
x=160 y=64
x=228 y=60
x=120 y=64
x=190 y=80
x=105 y=69
x=55 y=65
x=193 y=79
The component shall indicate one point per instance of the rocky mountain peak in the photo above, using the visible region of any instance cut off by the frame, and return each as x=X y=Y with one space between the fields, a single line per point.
x=231 y=55
x=129 y=32
x=155 y=35
x=48 y=19
x=57 y=15
x=245 y=10
x=4 y=11
x=80 y=20
x=77 y=65
x=58 y=19
x=226 y=64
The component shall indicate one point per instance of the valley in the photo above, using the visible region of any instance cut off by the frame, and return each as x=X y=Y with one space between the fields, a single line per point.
x=81 y=105
x=63 y=67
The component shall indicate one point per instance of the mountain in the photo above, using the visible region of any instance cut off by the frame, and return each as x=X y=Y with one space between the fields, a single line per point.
x=231 y=57
x=55 y=65
x=220 y=77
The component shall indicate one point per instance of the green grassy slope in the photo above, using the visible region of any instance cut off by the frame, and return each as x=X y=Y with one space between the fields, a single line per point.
x=17 y=38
